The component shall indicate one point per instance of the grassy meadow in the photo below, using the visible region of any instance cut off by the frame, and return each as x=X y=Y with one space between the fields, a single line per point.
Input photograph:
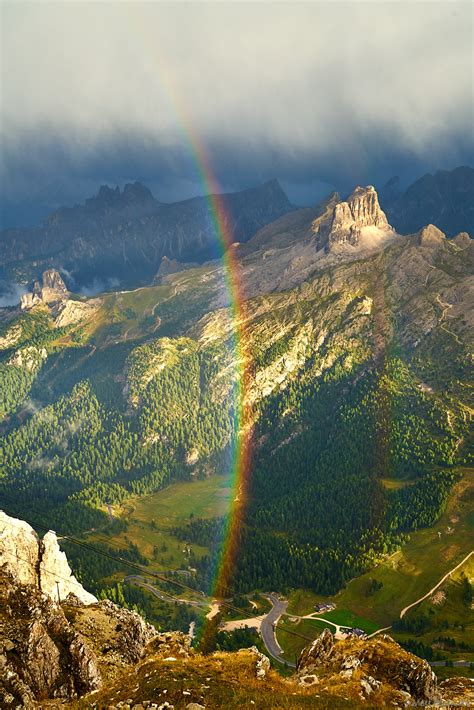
x=151 y=519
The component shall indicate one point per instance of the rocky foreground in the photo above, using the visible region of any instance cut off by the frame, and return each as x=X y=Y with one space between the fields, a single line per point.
x=83 y=653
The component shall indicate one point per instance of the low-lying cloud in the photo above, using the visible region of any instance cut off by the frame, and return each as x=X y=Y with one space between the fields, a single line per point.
x=10 y=294
x=98 y=285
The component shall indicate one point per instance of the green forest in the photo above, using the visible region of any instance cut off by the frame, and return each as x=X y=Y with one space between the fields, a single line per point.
x=86 y=426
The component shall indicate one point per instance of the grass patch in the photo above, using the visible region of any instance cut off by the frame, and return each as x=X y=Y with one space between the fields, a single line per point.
x=151 y=519
x=302 y=602
x=395 y=484
x=294 y=636
x=344 y=617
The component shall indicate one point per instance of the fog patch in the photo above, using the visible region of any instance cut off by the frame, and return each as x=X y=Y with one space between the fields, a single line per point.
x=11 y=293
x=68 y=278
x=99 y=285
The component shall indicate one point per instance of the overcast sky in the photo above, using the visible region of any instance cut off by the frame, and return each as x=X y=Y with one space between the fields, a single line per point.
x=319 y=95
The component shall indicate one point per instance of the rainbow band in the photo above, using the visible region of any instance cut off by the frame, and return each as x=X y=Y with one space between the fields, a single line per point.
x=222 y=226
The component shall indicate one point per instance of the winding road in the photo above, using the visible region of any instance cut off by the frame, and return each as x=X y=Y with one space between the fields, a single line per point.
x=267 y=623
x=267 y=627
x=143 y=582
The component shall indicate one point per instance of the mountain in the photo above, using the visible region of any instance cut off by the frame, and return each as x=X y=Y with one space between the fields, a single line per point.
x=445 y=199
x=356 y=350
x=358 y=221
x=85 y=653
x=124 y=234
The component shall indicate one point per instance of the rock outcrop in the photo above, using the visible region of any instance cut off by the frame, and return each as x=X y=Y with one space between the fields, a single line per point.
x=377 y=668
x=63 y=651
x=69 y=312
x=462 y=240
x=38 y=562
x=51 y=289
x=54 y=288
x=41 y=654
x=430 y=236
x=357 y=222
x=171 y=266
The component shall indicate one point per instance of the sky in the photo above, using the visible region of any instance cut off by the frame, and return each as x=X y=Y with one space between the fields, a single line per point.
x=320 y=95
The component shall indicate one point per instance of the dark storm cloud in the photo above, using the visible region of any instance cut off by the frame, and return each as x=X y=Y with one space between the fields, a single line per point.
x=319 y=95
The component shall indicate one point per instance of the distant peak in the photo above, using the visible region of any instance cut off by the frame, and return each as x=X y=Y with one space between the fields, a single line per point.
x=133 y=193
x=430 y=236
x=106 y=192
x=136 y=191
x=273 y=184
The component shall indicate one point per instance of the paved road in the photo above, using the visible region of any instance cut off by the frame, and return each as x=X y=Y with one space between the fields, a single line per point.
x=267 y=628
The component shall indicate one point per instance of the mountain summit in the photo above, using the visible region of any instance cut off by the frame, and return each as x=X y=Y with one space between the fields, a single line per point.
x=358 y=221
x=445 y=199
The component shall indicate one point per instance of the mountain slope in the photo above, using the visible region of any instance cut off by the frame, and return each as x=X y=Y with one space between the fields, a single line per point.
x=358 y=360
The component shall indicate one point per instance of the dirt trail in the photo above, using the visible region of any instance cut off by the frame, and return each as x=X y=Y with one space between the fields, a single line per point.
x=446 y=307
x=433 y=589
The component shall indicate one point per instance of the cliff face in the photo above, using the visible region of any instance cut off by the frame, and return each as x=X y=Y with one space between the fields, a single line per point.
x=37 y=562
x=41 y=654
x=53 y=651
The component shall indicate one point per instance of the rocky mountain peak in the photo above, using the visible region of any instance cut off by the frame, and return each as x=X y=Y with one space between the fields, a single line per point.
x=133 y=194
x=365 y=208
x=53 y=285
x=462 y=240
x=136 y=192
x=358 y=221
x=430 y=236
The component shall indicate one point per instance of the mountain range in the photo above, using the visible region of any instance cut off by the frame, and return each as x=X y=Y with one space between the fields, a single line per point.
x=121 y=236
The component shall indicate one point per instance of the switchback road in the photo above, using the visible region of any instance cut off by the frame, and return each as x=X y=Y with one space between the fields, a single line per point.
x=267 y=628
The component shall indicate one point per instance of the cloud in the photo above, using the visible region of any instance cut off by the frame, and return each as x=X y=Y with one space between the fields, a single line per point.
x=10 y=294
x=98 y=285
x=325 y=88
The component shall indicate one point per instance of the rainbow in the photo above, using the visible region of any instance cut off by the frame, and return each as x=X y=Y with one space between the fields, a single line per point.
x=240 y=458
x=240 y=455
